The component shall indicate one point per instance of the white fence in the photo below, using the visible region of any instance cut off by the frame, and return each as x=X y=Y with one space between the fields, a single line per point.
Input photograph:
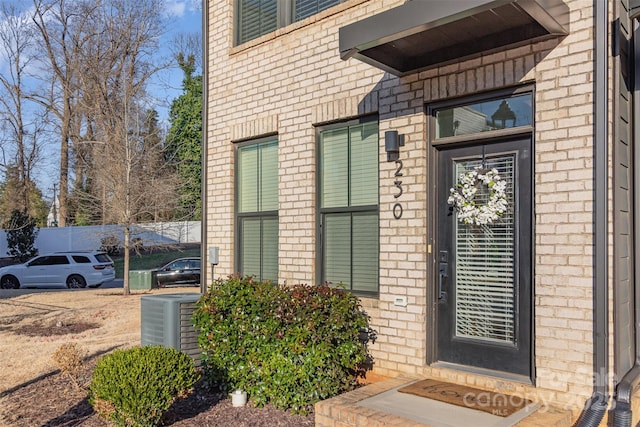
x=54 y=239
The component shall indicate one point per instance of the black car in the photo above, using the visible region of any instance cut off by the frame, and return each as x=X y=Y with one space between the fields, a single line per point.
x=182 y=271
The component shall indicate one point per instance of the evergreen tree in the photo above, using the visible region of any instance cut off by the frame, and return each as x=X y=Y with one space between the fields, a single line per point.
x=11 y=190
x=162 y=205
x=21 y=236
x=184 y=140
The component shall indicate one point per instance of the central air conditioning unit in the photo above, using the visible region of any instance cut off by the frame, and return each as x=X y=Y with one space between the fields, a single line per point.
x=166 y=321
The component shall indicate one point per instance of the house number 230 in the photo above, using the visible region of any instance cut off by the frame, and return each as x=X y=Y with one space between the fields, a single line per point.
x=397 y=207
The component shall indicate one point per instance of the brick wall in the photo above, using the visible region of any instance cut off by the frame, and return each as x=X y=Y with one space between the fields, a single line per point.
x=292 y=80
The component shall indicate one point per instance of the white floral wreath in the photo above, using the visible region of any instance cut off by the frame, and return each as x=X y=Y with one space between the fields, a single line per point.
x=462 y=197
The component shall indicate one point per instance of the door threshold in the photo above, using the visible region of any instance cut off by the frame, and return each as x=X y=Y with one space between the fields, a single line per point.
x=523 y=379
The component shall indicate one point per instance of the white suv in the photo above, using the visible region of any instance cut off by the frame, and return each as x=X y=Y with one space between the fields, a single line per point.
x=60 y=269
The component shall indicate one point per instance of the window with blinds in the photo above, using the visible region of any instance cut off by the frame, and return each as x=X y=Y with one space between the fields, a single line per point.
x=348 y=193
x=305 y=8
x=255 y=18
x=485 y=275
x=257 y=209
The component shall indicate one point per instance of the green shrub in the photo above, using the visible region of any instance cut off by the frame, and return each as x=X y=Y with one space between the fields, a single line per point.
x=136 y=386
x=21 y=236
x=287 y=346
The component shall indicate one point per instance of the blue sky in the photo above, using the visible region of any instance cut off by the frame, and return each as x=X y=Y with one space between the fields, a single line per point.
x=183 y=16
x=183 y=8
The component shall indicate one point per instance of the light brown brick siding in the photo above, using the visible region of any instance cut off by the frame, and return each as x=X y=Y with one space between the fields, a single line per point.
x=291 y=81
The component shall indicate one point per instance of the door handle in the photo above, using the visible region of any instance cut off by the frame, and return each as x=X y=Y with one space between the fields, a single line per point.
x=442 y=275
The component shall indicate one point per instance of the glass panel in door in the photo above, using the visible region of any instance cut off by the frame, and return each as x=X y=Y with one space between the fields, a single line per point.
x=484 y=271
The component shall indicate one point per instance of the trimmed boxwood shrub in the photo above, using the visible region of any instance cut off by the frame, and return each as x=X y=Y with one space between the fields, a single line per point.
x=136 y=386
x=287 y=346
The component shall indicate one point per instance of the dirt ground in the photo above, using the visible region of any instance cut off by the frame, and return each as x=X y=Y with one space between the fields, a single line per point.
x=34 y=324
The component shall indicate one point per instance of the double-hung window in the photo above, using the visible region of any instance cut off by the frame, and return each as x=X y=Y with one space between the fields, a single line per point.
x=348 y=204
x=257 y=209
x=257 y=17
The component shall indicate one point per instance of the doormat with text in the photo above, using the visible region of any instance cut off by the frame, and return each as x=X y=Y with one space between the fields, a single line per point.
x=499 y=404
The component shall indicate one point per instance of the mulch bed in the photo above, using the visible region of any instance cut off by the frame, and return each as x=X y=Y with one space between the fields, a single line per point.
x=42 y=329
x=54 y=400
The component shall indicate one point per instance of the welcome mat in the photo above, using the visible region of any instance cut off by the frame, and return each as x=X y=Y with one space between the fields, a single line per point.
x=499 y=404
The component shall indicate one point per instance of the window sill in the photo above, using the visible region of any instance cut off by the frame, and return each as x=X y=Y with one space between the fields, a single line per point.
x=369 y=302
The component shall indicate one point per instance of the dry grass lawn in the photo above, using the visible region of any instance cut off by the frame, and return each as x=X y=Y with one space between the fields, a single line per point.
x=34 y=324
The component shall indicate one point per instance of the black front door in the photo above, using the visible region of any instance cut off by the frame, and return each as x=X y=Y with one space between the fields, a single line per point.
x=484 y=272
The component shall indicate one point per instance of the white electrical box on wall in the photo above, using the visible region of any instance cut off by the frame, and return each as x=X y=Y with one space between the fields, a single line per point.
x=214 y=255
x=400 y=301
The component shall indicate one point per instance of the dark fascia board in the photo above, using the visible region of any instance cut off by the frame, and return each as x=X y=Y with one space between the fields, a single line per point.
x=634 y=9
x=418 y=16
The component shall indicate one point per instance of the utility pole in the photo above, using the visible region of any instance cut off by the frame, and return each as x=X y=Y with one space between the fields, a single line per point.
x=54 y=211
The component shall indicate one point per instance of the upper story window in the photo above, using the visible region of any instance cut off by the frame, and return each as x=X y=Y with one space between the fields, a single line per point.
x=257 y=17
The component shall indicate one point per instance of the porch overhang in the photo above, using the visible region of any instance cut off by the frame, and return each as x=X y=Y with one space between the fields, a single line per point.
x=634 y=9
x=423 y=34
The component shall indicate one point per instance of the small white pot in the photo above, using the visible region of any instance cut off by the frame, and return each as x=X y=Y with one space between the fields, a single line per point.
x=239 y=398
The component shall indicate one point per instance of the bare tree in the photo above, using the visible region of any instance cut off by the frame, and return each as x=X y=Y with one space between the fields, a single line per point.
x=65 y=28
x=188 y=45
x=96 y=58
x=21 y=124
x=118 y=67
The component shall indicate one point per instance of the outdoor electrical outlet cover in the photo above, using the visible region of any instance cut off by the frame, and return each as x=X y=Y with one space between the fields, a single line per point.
x=214 y=255
x=400 y=301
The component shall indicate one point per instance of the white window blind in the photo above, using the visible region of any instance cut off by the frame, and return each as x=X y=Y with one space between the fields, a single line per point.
x=268 y=200
x=337 y=248
x=248 y=179
x=365 y=239
x=259 y=256
x=364 y=165
x=485 y=273
x=250 y=232
x=334 y=168
x=349 y=206
x=257 y=206
x=258 y=177
x=255 y=18
x=269 y=249
x=306 y=8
